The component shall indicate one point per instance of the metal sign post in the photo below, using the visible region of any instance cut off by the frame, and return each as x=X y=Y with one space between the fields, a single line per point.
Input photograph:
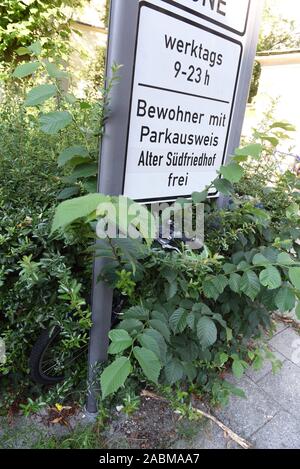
x=176 y=113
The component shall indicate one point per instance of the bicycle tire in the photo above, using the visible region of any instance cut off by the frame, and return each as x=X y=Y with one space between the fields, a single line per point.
x=38 y=351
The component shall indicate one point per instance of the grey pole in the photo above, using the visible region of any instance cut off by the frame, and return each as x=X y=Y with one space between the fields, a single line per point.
x=121 y=48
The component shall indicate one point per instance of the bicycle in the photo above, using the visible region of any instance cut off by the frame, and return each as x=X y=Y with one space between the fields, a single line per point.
x=45 y=363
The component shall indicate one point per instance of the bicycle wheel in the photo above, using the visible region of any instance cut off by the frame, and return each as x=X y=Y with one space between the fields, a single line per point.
x=46 y=363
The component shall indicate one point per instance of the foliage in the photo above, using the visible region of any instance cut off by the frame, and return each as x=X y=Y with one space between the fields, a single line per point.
x=42 y=278
x=193 y=313
x=61 y=110
x=254 y=81
x=95 y=74
x=25 y=21
x=277 y=32
x=106 y=12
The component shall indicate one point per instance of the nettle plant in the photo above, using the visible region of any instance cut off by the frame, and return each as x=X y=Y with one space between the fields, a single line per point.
x=194 y=314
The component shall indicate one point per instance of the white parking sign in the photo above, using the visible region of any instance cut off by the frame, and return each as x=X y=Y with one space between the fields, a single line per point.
x=184 y=87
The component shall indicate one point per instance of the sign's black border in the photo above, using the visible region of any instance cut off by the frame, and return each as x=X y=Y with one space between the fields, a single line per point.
x=197 y=25
x=211 y=20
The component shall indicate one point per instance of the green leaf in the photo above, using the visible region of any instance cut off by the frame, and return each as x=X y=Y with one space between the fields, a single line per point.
x=220 y=282
x=258 y=363
x=232 y=172
x=149 y=363
x=229 y=334
x=26 y=69
x=68 y=192
x=235 y=282
x=131 y=215
x=235 y=391
x=250 y=284
x=70 y=98
x=190 y=320
x=229 y=268
x=178 y=321
x=121 y=340
x=273 y=140
x=35 y=48
x=285 y=259
x=199 y=197
x=283 y=125
x=114 y=376
x=238 y=368
x=254 y=150
x=259 y=259
x=40 y=94
x=22 y=51
x=160 y=341
x=294 y=274
x=148 y=342
x=136 y=312
x=271 y=254
x=210 y=290
x=160 y=316
x=171 y=289
x=161 y=327
x=222 y=358
x=223 y=186
x=71 y=210
x=53 y=122
x=90 y=185
x=206 y=332
x=174 y=371
x=285 y=299
x=71 y=152
x=190 y=370
x=130 y=325
x=270 y=277
x=85 y=170
x=54 y=71
x=292 y=212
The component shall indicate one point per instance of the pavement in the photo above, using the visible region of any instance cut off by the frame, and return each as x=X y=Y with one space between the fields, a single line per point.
x=270 y=416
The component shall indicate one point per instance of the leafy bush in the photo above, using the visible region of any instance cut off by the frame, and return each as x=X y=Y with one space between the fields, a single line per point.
x=195 y=313
x=42 y=278
x=24 y=21
x=190 y=315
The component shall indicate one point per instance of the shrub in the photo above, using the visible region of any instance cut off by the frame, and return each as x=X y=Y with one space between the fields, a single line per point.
x=194 y=314
x=190 y=315
x=22 y=22
x=42 y=278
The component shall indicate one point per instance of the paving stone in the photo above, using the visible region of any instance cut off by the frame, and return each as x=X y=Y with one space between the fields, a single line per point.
x=267 y=368
x=282 y=432
x=245 y=416
x=288 y=344
x=210 y=436
x=284 y=387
